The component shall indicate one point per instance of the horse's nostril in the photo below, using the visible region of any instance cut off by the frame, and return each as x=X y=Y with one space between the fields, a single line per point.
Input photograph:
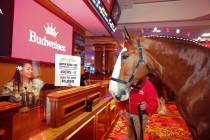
x=123 y=92
x=118 y=97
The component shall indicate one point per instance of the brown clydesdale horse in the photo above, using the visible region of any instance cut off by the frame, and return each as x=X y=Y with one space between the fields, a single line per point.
x=182 y=65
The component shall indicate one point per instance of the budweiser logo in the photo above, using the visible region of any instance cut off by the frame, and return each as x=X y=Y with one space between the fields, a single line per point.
x=50 y=30
x=44 y=41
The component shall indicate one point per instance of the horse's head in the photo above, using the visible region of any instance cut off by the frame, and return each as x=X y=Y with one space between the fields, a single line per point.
x=128 y=69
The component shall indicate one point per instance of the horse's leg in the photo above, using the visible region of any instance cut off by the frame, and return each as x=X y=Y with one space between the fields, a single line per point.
x=203 y=132
x=136 y=126
x=192 y=131
x=195 y=115
x=188 y=122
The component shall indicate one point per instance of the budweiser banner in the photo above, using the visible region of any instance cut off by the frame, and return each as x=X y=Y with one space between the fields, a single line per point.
x=38 y=34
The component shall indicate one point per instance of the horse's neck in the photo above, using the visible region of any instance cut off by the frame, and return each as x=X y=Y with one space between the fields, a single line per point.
x=178 y=66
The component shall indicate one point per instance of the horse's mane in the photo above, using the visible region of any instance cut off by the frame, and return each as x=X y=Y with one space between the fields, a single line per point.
x=186 y=42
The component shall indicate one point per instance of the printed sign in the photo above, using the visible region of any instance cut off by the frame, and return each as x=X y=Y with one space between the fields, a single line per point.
x=67 y=70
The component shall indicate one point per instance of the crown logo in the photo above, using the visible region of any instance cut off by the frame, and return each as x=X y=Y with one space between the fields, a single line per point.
x=50 y=30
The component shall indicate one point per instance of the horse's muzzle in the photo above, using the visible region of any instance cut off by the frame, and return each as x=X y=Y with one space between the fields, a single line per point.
x=120 y=94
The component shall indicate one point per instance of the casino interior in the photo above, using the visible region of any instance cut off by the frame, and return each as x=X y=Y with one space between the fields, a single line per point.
x=73 y=46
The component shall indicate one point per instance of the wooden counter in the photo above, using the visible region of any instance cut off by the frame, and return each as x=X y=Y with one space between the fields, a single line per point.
x=66 y=116
x=7 y=110
x=69 y=129
x=64 y=105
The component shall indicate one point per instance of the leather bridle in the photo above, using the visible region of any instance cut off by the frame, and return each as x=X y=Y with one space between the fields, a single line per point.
x=130 y=80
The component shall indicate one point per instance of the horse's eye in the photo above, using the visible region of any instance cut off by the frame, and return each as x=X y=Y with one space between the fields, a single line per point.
x=125 y=56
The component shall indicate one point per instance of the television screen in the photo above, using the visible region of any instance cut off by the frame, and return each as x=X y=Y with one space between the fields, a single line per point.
x=108 y=5
x=38 y=34
x=116 y=12
x=6 y=14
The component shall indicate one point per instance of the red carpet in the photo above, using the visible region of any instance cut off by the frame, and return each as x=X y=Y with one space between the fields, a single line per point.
x=169 y=127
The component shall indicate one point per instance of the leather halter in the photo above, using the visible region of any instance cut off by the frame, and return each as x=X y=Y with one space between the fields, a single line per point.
x=140 y=60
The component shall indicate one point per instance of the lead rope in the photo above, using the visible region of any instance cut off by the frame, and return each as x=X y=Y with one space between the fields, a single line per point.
x=131 y=120
x=141 y=122
x=130 y=80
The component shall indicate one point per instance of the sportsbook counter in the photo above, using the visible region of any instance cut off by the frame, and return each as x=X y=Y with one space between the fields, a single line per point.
x=74 y=113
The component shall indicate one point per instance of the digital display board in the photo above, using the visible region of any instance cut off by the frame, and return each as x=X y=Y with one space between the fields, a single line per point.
x=38 y=34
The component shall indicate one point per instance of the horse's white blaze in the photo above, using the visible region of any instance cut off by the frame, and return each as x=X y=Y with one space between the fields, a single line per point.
x=114 y=87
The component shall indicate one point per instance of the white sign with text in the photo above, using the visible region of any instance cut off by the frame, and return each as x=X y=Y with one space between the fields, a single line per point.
x=67 y=70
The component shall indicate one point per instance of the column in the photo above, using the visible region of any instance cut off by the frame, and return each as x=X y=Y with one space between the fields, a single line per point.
x=109 y=58
x=99 y=50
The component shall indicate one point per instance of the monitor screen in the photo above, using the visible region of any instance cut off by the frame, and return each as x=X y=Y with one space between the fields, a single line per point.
x=6 y=17
x=38 y=34
x=116 y=12
x=108 y=5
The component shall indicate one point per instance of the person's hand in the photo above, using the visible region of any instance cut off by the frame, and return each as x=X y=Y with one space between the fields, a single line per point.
x=24 y=109
x=143 y=105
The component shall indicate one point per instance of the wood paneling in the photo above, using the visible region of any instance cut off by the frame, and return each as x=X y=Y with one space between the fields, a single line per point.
x=7 y=111
x=64 y=100
x=69 y=120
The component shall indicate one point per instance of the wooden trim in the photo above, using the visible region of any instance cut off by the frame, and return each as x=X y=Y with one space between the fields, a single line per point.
x=73 y=104
x=78 y=129
x=94 y=97
x=7 y=111
x=66 y=129
x=74 y=124
x=60 y=100
x=7 y=59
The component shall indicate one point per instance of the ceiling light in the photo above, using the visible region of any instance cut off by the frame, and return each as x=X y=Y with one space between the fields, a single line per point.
x=199 y=39
x=156 y=30
x=178 y=31
x=92 y=58
x=205 y=35
x=1 y=12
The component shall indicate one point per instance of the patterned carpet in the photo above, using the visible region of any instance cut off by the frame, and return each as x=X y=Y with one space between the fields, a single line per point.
x=168 y=127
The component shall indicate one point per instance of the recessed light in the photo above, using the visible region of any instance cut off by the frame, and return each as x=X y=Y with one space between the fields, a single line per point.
x=205 y=35
x=156 y=30
x=178 y=31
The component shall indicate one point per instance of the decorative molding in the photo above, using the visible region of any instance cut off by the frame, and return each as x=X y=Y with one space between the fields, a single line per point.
x=99 y=40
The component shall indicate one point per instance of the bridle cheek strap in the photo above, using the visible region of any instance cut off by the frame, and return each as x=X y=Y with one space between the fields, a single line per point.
x=135 y=70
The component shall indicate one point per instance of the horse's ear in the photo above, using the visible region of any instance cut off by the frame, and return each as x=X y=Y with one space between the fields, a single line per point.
x=123 y=34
